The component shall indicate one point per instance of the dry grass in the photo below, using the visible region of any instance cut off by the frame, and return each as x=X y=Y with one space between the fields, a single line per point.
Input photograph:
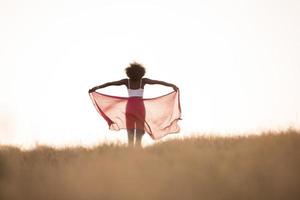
x=255 y=167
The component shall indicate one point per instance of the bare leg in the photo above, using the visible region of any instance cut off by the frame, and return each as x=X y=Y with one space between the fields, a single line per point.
x=138 y=139
x=130 y=134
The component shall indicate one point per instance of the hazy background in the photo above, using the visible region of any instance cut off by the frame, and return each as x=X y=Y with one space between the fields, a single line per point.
x=236 y=63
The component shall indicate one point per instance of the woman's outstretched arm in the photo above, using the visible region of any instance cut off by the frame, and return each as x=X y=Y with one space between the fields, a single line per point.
x=150 y=81
x=120 y=82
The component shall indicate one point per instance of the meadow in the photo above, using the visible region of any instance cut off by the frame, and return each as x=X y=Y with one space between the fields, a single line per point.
x=265 y=166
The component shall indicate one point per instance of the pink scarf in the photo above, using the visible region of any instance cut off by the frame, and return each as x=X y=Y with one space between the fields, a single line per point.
x=157 y=116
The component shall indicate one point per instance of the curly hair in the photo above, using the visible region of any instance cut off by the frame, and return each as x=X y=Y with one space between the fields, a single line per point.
x=135 y=71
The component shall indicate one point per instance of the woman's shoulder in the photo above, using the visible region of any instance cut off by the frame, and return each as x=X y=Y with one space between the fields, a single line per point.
x=124 y=81
x=150 y=81
x=146 y=79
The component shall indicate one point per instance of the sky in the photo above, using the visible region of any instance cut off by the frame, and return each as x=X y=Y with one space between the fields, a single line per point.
x=236 y=63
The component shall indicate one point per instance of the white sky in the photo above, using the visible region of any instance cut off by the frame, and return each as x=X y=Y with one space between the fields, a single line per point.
x=236 y=63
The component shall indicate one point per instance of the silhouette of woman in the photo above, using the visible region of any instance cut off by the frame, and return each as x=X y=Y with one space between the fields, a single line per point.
x=135 y=87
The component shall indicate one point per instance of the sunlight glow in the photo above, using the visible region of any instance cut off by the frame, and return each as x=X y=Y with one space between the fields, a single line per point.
x=236 y=64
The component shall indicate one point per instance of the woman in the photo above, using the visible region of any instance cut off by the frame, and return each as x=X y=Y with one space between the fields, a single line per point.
x=135 y=87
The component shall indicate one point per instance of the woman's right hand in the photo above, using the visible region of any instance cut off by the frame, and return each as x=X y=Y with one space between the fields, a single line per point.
x=92 y=90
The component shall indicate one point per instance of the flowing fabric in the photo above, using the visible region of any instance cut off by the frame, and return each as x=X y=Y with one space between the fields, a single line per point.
x=157 y=116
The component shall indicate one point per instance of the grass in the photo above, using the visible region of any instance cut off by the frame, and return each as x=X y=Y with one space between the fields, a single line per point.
x=245 y=167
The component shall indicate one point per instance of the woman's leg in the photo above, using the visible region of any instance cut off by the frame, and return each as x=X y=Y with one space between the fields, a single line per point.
x=138 y=137
x=130 y=134
x=135 y=119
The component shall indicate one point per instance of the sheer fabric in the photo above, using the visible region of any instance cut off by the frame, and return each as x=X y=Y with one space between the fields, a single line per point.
x=157 y=116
